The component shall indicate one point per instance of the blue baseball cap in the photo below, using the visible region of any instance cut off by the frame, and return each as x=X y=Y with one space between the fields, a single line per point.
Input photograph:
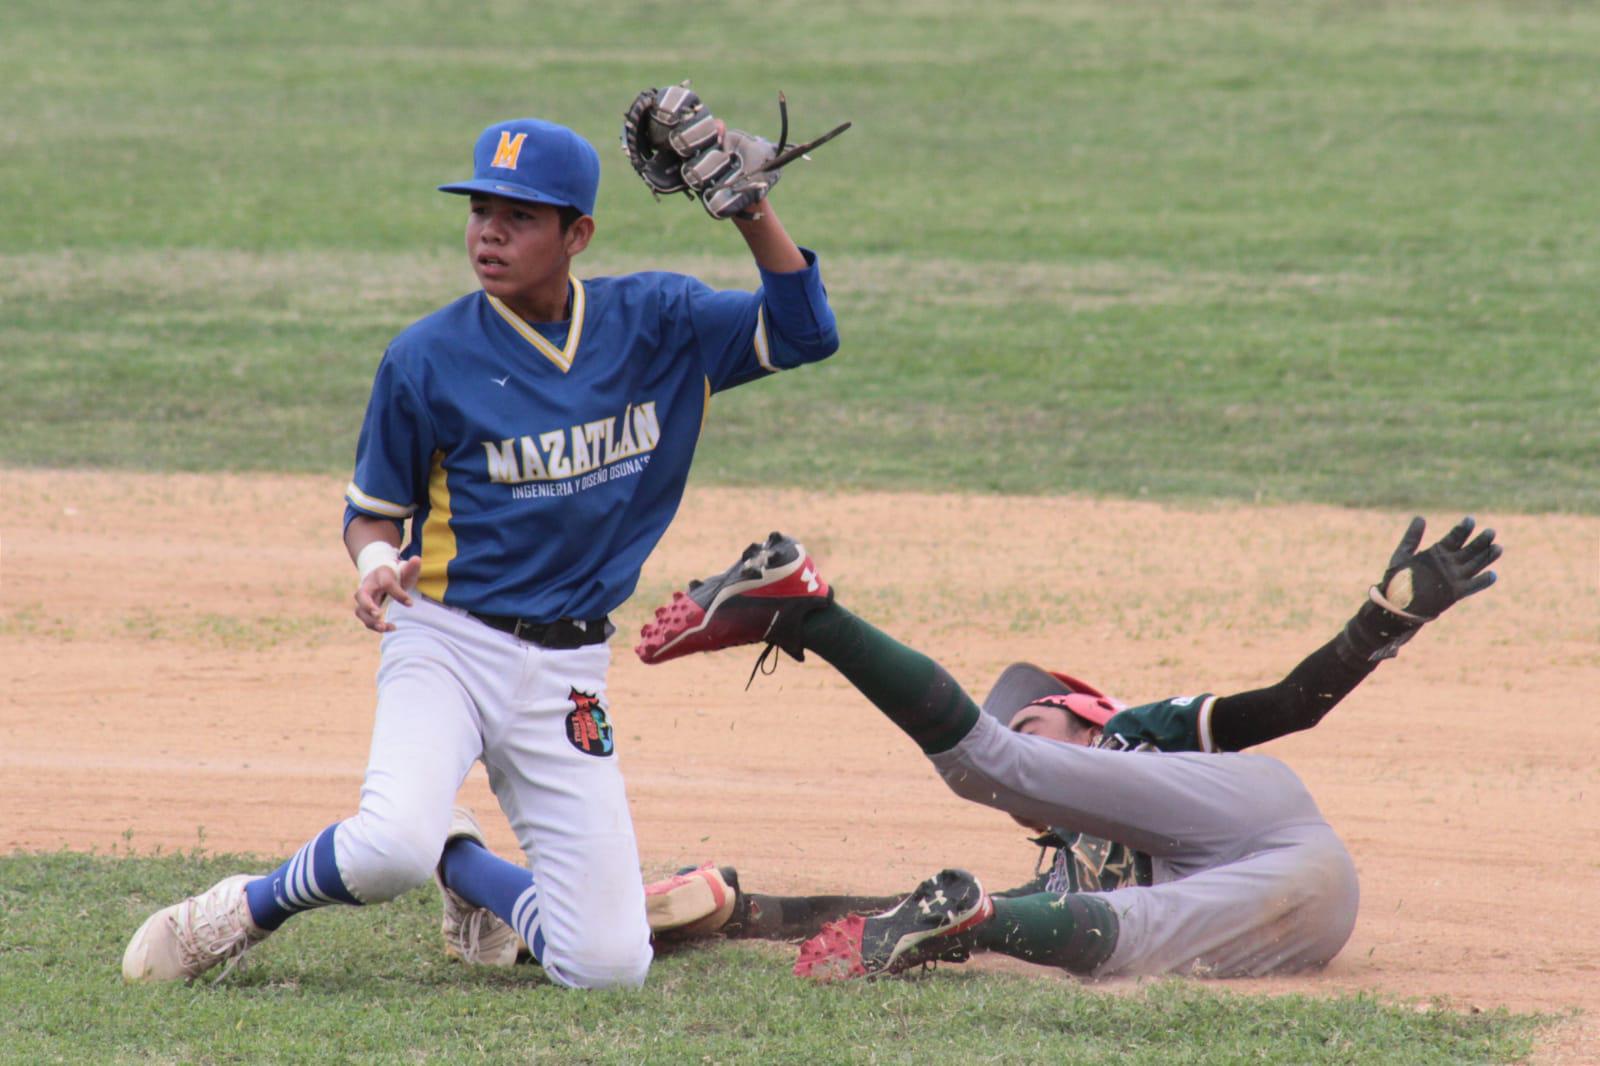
x=534 y=161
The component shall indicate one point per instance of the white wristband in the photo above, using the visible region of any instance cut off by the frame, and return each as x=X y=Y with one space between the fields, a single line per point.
x=378 y=553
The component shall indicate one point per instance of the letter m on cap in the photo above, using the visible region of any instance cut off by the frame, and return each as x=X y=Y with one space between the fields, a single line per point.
x=505 y=155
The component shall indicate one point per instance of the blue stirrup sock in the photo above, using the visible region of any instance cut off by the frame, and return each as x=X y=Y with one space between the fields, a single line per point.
x=485 y=880
x=309 y=880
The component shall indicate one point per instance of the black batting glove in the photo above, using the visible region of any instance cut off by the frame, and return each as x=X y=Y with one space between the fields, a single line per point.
x=1420 y=586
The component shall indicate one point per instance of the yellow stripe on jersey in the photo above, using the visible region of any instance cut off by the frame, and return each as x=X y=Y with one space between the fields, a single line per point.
x=561 y=357
x=375 y=505
x=1202 y=725
x=763 y=352
x=438 y=539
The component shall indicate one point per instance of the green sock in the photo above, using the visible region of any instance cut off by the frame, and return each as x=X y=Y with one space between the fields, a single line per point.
x=1076 y=931
x=915 y=692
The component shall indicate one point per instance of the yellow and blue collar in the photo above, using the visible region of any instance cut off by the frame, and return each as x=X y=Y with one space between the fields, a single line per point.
x=563 y=356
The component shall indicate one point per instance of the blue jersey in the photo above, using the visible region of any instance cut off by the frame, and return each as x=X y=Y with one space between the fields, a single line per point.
x=540 y=464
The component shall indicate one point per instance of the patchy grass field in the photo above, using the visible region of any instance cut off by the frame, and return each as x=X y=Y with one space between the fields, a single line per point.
x=373 y=986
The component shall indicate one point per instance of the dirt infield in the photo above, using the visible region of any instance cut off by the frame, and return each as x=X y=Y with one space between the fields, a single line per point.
x=179 y=666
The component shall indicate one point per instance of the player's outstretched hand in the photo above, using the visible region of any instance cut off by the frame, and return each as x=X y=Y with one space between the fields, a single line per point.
x=380 y=586
x=1420 y=586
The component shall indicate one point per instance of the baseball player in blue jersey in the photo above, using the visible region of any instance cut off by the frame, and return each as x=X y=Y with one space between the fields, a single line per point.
x=1175 y=853
x=535 y=436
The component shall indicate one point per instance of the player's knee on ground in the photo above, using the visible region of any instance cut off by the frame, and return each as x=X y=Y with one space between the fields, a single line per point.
x=610 y=963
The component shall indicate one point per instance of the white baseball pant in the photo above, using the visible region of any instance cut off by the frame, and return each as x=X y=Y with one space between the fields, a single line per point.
x=452 y=691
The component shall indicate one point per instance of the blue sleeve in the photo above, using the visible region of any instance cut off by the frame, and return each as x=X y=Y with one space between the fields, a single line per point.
x=394 y=450
x=785 y=323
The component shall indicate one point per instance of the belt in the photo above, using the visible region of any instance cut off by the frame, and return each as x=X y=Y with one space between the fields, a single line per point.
x=562 y=634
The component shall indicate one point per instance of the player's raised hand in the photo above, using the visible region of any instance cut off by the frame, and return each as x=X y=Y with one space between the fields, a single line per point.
x=1419 y=586
x=675 y=144
x=382 y=585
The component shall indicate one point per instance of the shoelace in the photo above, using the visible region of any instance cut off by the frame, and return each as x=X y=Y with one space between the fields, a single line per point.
x=480 y=925
x=472 y=935
x=770 y=650
x=205 y=938
x=462 y=921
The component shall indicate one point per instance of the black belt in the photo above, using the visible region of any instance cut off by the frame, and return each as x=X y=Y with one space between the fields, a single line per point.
x=561 y=634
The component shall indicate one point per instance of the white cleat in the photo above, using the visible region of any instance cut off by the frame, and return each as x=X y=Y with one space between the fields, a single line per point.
x=183 y=941
x=472 y=934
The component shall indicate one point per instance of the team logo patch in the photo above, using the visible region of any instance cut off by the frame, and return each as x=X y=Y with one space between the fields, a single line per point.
x=508 y=150
x=587 y=727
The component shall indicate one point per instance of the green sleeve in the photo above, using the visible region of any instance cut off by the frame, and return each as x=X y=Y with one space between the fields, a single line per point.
x=1181 y=723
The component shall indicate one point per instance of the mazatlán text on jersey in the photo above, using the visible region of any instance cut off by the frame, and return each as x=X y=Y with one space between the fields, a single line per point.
x=558 y=454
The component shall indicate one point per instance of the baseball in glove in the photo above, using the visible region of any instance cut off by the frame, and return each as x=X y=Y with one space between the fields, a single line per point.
x=1419 y=586
x=675 y=144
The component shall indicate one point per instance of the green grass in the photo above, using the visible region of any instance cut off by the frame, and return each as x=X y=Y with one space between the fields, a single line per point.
x=371 y=985
x=1334 y=251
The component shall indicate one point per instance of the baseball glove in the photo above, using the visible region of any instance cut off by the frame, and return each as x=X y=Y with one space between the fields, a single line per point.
x=663 y=130
x=675 y=144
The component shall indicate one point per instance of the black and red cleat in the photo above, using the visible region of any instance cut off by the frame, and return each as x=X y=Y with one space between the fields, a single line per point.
x=925 y=927
x=761 y=599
